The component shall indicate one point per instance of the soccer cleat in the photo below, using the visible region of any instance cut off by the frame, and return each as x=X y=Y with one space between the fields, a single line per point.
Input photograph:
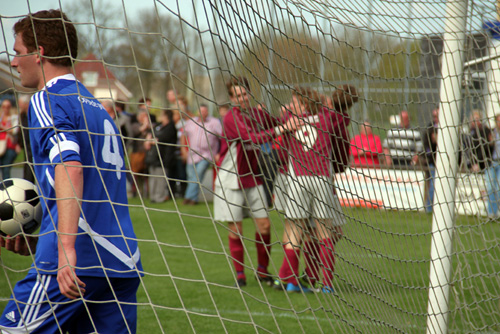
x=290 y=287
x=279 y=285
x=327 y=289
x=240 y=283
x=307 y=283
x=267 y=280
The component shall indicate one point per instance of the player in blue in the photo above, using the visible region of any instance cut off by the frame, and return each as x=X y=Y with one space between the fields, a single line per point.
x=87 y=263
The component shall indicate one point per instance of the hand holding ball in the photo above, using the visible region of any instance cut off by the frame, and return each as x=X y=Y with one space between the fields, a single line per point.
x=20 y=207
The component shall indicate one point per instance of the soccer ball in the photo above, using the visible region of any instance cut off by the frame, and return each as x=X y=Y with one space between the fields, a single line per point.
x=20 y=207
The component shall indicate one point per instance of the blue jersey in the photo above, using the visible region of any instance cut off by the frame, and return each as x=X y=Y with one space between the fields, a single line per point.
x=68 y=124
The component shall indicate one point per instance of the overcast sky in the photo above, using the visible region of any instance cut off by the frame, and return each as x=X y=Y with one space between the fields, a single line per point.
x=388 y=16
x=12 y=10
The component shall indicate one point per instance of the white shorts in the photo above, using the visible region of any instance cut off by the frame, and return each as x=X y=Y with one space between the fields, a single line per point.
x=280 y=192
x=313 y=197
x=232 y=205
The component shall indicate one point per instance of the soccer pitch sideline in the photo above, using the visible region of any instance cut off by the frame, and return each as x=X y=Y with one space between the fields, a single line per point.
x=381 y=276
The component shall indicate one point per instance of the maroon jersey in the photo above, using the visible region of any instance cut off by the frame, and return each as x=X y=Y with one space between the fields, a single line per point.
x=310 y=147
x=242 y=136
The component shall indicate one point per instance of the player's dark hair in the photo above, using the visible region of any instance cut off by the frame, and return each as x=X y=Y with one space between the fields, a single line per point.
x=237 y=81
x=344 y=97
x=309 y=98
x=52 y=30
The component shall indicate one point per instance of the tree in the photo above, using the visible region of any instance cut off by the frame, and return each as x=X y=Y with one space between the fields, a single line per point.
x=96 y=28
x=148 y=51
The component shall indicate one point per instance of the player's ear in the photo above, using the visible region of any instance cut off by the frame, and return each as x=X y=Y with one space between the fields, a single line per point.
x=40 y=54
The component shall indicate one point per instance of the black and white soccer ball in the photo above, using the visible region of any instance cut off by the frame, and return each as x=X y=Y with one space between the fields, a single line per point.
x=20 y=207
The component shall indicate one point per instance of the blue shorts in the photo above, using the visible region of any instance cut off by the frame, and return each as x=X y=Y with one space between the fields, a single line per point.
x=37 y=306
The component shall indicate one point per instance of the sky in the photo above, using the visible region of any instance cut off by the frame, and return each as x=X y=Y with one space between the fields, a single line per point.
x=12 y=10
x=388 y=16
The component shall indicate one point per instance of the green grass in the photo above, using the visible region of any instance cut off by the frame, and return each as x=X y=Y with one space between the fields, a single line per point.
x=381 y=276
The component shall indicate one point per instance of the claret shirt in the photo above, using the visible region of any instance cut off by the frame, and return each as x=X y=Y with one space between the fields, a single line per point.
x=242 y=136
x=310 y=147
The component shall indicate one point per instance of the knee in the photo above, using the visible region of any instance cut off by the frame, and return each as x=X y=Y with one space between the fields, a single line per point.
x=234 y=227
x=265 y=230
x=264 y=226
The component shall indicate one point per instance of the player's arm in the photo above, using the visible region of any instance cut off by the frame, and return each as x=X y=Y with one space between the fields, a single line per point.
x=237 y=128
x=69 y=190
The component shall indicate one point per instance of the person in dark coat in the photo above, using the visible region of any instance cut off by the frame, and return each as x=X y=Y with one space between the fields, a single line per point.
x=160 y=156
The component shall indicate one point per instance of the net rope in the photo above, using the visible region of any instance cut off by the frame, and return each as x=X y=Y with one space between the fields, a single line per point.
x=390 y=51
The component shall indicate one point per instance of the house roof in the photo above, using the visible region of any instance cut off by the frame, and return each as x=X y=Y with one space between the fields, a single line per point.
x=91 y=64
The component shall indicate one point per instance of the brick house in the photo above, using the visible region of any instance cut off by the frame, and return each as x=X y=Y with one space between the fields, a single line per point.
x=99 y=80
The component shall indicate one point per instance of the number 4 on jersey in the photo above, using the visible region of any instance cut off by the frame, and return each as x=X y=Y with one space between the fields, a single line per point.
x=111 y=150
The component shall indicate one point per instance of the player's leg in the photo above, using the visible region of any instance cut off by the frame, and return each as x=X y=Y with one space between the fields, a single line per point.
x=228 y=207
x=257 y=204
x=263 y=246
x=292 y=236
x=37 y=306
x=297 y=211
x=304 y=190
x=311 y=255
x=326 y=252
x=289 y=270
x=111 y=306
x=329 y=219
x=237 y=251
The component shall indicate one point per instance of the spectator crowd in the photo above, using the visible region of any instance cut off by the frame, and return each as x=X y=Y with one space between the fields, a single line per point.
x=170 y=150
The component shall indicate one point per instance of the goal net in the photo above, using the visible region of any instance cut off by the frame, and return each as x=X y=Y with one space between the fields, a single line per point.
x=388 y=59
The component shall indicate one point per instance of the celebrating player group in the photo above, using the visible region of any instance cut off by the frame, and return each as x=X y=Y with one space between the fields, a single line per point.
x=309 y=132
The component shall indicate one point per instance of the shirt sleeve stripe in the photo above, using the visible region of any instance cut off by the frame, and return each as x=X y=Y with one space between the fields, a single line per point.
x=62 y=146
x=39 y=107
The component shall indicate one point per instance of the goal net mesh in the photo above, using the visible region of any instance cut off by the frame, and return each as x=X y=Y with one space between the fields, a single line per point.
x=390 y=52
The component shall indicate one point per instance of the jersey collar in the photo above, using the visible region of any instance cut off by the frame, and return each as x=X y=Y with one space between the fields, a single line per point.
x=52 y=81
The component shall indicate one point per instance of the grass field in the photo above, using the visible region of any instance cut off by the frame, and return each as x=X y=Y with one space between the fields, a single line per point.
x=381 y=277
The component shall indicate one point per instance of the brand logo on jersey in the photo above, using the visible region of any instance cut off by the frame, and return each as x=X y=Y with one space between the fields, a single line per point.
x=95 y=104
x=11 y=316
